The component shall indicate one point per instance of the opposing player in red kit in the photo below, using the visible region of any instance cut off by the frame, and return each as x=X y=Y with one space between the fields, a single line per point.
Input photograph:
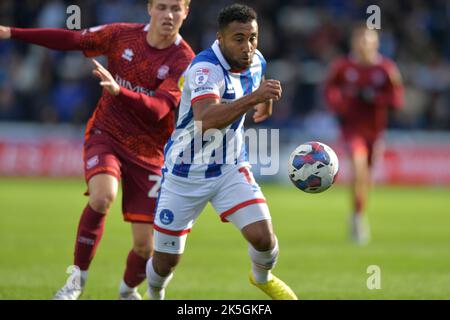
x=360 y=89
x=125 y=137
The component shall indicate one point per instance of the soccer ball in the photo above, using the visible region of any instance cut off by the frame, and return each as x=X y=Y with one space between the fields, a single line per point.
x=313 y=167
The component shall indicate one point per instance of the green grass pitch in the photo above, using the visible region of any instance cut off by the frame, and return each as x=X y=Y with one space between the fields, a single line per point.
x=410 y=243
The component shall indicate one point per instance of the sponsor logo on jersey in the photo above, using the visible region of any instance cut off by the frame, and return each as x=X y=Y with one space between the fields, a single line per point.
x=163 y=72
x=128 y=85
x=92 y=162
x=201 y=76
x=128 y=55
x=166 y=217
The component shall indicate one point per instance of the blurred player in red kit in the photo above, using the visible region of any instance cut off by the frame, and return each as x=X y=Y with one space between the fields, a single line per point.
x=125 y=137
x=360 y=89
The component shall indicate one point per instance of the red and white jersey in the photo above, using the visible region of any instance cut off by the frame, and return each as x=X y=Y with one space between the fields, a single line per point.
x=138 y=67
x=361 y=95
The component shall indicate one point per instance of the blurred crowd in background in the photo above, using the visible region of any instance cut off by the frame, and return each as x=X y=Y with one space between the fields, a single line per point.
x=299 y=38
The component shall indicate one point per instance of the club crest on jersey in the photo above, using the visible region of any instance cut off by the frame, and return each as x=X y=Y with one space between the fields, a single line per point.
x=128 y=55
x=166 y=217
x=378 y=78
x=201 y=76
x=163 y=72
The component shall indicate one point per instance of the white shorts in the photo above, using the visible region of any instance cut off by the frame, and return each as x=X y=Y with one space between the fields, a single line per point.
x=235 y=196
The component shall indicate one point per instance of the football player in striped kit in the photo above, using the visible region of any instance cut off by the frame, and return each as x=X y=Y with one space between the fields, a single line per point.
x=221 y=85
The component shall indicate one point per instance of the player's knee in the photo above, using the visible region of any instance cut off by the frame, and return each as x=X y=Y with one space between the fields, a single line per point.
x=101 y=202
x=164 y=264
x=143 y=250
x=260 y=235
x=263 y=241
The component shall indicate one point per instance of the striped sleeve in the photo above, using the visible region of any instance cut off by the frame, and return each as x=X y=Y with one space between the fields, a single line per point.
x=206 y=80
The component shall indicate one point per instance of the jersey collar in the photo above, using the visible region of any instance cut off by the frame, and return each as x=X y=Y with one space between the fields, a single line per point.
x=177 y=40
x=353 y=59
x=216 y=48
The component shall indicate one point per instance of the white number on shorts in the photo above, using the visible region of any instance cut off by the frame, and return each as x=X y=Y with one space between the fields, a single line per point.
x=154 y=190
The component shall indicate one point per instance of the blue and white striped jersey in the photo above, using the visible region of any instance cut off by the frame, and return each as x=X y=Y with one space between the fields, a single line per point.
x=187 y=153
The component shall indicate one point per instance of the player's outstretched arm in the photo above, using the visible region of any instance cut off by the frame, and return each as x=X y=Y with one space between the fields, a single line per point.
x=57 y=39
x=215 y=115
x=157 y=106
x=5 y=33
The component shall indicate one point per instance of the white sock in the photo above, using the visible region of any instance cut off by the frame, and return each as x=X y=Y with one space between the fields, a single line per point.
x=263 y=262
x=77 y=279
x=83 y=277
x=156 y=283
x=156 y=294
x=125 y=289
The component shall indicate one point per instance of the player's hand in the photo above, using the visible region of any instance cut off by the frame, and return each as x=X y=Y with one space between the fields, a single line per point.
x=107 y=80
x=268 y=90
x=5 y=33
x=263 y=112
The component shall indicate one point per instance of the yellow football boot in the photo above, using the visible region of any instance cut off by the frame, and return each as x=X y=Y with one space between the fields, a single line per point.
x=274 y=288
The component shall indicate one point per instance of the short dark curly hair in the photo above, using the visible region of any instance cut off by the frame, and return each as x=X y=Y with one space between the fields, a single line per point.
x=236 y=12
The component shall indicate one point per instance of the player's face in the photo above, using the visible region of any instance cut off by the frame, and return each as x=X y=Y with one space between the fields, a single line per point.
x=365 y=44
x=167 y=16
x=238 y=42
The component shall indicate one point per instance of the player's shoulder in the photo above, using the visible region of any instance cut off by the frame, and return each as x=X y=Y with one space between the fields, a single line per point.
x=125 y=26
x=183 y=53
x=391 y=69
x=341 y=62
x=208 y=62
x=123 y=29
x=184 y=46
x=205 y=68
x=206 y=57
x=259 y=60
x=387 y=63
x=260 y=55
x=117 y=29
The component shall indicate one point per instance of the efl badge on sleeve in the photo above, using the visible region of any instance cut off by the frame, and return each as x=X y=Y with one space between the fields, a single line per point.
x=201 y=76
